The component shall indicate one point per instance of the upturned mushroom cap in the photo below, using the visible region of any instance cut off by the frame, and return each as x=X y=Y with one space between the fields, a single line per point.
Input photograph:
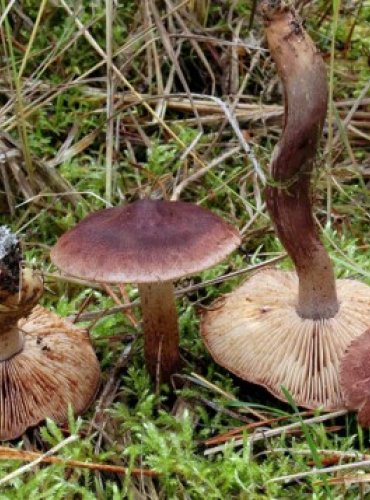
x=256 y=333
x=56 y=367
x=143 y=242
x=355 y=377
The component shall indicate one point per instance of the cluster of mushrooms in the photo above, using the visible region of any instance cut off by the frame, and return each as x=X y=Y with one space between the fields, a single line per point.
x=303 y=331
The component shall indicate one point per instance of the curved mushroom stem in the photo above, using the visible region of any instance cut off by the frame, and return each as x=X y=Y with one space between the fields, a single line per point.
x=161 y=333
x=302 y=72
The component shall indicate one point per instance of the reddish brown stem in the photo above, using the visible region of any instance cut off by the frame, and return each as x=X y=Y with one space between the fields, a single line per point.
x=303 y=74
x=161 y=334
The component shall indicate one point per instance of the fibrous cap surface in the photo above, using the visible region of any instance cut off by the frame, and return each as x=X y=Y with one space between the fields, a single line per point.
x=144 y=242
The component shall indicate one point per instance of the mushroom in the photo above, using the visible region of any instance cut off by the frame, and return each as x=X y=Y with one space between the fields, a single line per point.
x=355 y=377
x=152 y=243
x=46 y=363
x=264 y=331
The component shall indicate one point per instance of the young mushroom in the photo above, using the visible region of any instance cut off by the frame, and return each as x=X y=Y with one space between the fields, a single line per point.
x=265 y=332
x=46 y=363
x=152 y=243
x=355 y=377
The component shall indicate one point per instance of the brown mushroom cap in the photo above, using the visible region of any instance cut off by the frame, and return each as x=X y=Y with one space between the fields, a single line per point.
x=56 y=367
x=256 y=333
x=146 y=241
x=355 y=377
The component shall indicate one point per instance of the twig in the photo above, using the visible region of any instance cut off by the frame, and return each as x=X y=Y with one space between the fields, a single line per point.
x=108 y=393
x=109 y=107
x=353 y=110
x=233 y=433
x=199 y=173
x=32 y=456
x=220 y=409
x=171 y=54
x=124 y=80
x=332 y=453
x=182 y=291
x=6 y=11
x=229 y=114
x=203 y=382
x=260 y=435
x=326 y=470
x=39 y=459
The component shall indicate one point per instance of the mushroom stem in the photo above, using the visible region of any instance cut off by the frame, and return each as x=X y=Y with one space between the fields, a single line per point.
x=161 y=333
x=11 y=342
x=302 y=72
x=14 y=306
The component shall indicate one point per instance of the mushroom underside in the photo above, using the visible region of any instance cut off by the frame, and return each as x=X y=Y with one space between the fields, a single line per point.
x=256 y=333
x=355 y=377
x=56 y=367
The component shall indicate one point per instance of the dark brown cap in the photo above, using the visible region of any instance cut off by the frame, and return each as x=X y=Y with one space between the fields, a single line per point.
x=146 y=241
x=355 y=377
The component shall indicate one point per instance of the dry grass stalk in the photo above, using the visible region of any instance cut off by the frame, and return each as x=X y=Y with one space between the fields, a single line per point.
x=90 y=316
x=327 y=470
x=124 y=80
x=32 y=456
x=17 y=177
x=261 y=435
x=238 y=431
x=110 y=108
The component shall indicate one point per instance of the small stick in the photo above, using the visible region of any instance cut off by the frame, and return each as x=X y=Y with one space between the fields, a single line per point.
x=31 y=456
x=109 y=290
x=331 y=453
x=204 y=382
x=261 y=435
x=109 y=104
x=40 y=457
x=110 y=388
x=126 y=300
x=232 y=433
x=195 y=176
x=353 y=110
x=326 y=470
x=182 y=291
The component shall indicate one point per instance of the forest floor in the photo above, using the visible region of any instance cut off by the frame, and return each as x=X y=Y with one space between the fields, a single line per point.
x=192 y=89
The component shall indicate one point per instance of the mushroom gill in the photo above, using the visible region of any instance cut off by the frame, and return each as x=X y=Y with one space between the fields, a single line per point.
x=256 y=333
x=55 y=367
x=282 y=328
x=46 y=363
